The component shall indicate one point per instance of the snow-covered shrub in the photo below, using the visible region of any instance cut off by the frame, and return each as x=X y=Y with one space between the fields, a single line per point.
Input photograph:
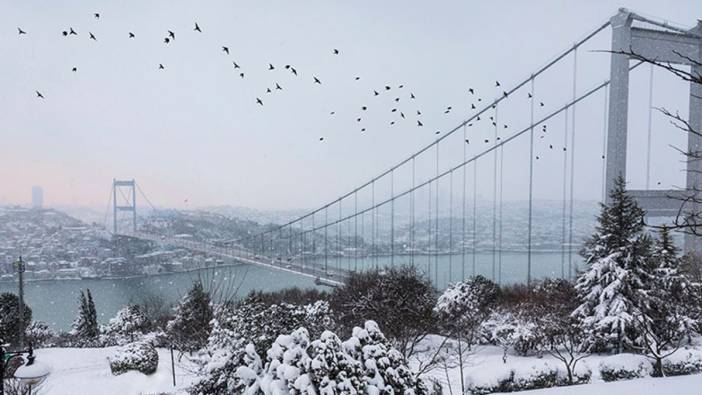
x=507 y=378
x=401 y=300
x=625 y=367
x=190 y=327
x=128 y=325
x=508 y=330
x=683 y=362
x=39 y=334
x=139 y=356
x=364 y=364
x=9 y=317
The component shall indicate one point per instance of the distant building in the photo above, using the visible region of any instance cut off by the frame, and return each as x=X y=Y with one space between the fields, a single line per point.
x=37 y=197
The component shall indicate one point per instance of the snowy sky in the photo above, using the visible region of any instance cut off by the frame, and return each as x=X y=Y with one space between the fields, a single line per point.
x=194 y=131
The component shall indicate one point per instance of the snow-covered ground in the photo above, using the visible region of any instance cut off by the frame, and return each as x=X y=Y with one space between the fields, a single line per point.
x=77 y=371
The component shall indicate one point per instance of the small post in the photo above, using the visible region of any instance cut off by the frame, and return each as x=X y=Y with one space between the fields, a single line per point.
x=20 y=307
x=172 y=366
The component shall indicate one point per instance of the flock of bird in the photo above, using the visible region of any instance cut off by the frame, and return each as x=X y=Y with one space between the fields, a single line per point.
x=398 y=93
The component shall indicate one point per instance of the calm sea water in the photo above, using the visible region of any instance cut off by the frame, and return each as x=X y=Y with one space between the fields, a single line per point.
x=56 y=301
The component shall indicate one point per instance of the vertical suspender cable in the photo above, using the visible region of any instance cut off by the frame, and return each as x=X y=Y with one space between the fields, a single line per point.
x=450 y=271
x=392 y=219
x=565 y=175
x=475 y=212
x=499 y=236
x=463 y=224
x=429 y=234
x=604 y=142
x=355 y=231
x=572 y=166
x=373 y=224
x=412 y=203
x=531 y=181
x=494 y=204
x=436 y=223
x=338 y=240
x=648 y=141
x=326 y=240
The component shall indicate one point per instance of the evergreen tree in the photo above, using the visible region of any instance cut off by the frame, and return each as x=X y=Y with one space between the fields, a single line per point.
x=614 y=286
x=190 y=327
x=672 y=311
x=85 y=326
x=9 y=317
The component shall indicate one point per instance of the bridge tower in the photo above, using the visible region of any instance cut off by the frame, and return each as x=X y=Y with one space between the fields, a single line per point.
x=665 y=44
x=126 y=203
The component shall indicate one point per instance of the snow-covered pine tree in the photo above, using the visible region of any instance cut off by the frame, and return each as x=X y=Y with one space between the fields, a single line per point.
x=671 y=312
x=190 y=327
x=85 y=326
x=619 y=269
x=129 y=322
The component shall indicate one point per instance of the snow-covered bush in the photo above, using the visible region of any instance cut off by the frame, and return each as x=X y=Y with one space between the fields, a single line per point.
x=508 y=330
x=520 y=377
x=401 y=300
x=129 y=324
x=625 y=367
x=190 y=327
x=139 y=356
x=39 y=334
x=683 y=362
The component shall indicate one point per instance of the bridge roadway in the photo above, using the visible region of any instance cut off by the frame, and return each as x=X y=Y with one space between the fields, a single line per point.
x=332 y=276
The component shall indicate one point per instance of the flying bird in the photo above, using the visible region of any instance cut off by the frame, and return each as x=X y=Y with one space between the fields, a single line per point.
x=225 y=49
x=73 y=32
x=97 y=15
x=419 y=112
x=321 y=139
x=131 y=35
x=437 y=132
x=160 y=66
x=505 y=93
x=241 y=75
x=92 y=36
x=541 y=104
x=411 y=95
x=487 y=141
x=363 y=129
x=171 y=34
x=397 y=99
x=39 y=95
x=20 y=31
x=530 y=96
x=364 y=108
x=74 y=69
x=472 y=92
x=65 y=33
x=259 y=101
x=236 y=66
x=419 y=123
x=497 y=83
x=278 y=87
x=293 y=70
x=197 y=28
x=358 y=119
x=387 y=88
x=402 y=115
x=336 y=51
x=166 y=40
x=467 y=141
x=357 y=78
x=270 y=66
x=268 y=90
x=375 y=93
x=472 y=106
x=317 y=81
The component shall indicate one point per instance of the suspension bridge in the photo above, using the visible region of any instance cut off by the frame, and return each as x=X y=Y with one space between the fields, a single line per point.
x=423 y=210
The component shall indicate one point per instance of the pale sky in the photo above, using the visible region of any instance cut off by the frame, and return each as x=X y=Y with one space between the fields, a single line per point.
x=194 y=131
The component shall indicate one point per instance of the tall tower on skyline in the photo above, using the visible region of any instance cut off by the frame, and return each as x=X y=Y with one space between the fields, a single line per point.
x=37 y=197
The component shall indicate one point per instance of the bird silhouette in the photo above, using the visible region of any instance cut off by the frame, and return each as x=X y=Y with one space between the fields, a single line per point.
x=39 y=95
x=316 y=80
x=487 y=141
x=358 y=119
x=419 y=123
x=65 y=33
x=363 y=129
x=357 y=78
x=375 y=93
x=241 y=75
x=437 y=132
x=166 y=40
x=336 y=51
x=497 y=83
x=412 y=95
x=74 y=69
x=292 y=69
x=332 y=113
x=529 y=95
x=550 y=146
x=393 y=110
x=92 y=36
x=20 y=31
x=321 y=139
x=171 y=34
x=268 y=90
x=225 y=49
x=537 y=157
x=236 y=66
x=259 y=101
x=402 y=115
x=397 y=99
x=541 y=104
x=278 y=87
x=131 y=35
x=392 y=123
x=505 y=93
x=160 y=66
x=387 y=88
x=472 y=106
x=270 y=67
x=467 y=141
x=564 y=148
x=364 y=108
x=97 y=15
x=505 y=126
x=419 y=112
x=400 y=86
x=197 y=28
x=472 y=92
x=73 y=32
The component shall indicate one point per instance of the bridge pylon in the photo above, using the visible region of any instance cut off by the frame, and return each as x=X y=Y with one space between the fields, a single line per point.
x=122 y=201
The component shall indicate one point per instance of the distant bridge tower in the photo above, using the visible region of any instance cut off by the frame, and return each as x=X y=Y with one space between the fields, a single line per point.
x=125 y=203
x=666 y=44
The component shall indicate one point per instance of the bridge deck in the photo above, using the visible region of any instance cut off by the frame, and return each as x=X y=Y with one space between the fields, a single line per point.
x=329 y=276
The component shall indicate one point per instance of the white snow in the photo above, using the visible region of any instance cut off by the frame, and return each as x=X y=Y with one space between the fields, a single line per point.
x=679 y=385
x=76 y=371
